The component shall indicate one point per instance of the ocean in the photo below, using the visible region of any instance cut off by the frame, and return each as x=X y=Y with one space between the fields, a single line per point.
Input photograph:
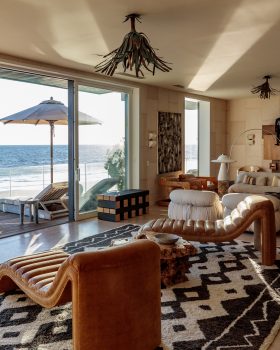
x=29 y=155
x=25 y=169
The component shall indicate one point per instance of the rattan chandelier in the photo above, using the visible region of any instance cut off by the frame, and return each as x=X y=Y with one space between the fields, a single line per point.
x=135 y=53
x=265 y=90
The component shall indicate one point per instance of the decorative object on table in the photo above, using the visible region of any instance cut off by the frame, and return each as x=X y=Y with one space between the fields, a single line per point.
x=48 y=112
x=135 y=53
x=265 y=90
x=224 y=160
x=169 y=142
x=166 y=238
x=121 y=205
x=215 y=266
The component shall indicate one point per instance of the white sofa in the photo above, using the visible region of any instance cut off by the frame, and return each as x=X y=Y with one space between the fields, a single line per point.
x=264 y=182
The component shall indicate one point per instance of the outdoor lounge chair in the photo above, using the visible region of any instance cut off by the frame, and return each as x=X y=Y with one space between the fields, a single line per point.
x=50 y=201
x=51 y=205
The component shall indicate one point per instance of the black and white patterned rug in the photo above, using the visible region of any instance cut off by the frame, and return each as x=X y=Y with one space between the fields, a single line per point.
x=229 y=302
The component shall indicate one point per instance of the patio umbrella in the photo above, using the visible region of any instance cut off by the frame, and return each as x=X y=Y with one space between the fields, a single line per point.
x=48 y=112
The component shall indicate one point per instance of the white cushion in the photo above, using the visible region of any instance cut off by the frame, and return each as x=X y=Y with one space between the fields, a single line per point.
x=194 y=197
x=195 y=205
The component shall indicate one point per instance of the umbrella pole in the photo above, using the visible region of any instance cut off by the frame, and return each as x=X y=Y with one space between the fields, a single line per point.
x=51 y=150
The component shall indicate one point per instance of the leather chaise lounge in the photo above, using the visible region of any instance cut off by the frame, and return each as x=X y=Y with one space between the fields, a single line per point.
x=254 y=208
x=115 y=292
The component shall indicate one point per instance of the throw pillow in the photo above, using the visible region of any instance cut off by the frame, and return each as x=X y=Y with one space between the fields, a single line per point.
x=261 y=181
x=249 y=180
x=240 y=178
x=275 y=181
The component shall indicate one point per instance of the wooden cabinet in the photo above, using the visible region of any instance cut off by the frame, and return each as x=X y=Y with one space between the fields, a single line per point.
x=270 y=150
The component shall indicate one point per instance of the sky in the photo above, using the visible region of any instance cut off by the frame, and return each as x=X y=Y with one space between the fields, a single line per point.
x=17 y=96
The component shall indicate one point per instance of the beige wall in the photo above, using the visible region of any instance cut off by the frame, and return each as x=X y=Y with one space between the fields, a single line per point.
x=153 y=100
x=246 y=114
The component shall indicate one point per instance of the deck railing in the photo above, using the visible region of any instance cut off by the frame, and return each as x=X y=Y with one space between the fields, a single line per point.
x=30 y=180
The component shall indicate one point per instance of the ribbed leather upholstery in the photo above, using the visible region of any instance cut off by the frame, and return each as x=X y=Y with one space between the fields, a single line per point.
x=37 y=271
x=115 y=292
x=250 y=209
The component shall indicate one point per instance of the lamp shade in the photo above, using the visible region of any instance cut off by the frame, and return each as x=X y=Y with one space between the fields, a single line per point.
x=223 y=158
x=223 y=172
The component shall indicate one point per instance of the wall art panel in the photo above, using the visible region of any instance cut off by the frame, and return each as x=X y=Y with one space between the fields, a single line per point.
x=169 y=142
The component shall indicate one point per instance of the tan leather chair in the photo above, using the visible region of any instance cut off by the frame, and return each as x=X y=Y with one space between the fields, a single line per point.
x=115 y=292
x=252 y=209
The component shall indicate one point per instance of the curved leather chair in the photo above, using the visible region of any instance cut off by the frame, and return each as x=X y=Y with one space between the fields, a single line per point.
x=115 y=292
x=252 y=208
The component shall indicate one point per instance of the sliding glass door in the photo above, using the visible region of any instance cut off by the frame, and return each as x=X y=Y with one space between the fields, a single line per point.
x=101 y=146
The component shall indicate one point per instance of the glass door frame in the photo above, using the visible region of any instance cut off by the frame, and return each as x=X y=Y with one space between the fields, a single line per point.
x=74 y=143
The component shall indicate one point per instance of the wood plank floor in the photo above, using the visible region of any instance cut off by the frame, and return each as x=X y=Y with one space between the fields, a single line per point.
x=10 y=225
x=46 y=238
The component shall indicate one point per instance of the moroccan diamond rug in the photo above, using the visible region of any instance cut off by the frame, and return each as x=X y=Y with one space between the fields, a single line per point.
x=229 y=302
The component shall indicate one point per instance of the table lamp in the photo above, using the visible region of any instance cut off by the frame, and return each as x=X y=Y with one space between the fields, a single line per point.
x=223 y=172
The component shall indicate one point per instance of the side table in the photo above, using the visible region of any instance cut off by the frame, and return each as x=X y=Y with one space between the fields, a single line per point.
x=174 y=260
x=33 y=209
x=223 y=187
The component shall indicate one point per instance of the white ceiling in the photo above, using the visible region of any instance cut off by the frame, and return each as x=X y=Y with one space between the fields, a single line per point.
x=218 y=48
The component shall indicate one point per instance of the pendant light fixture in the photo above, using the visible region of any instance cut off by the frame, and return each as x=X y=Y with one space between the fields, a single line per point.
x=265 y=90
x=135 y=53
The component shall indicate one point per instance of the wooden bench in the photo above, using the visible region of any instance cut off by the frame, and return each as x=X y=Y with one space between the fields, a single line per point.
x=121 y=205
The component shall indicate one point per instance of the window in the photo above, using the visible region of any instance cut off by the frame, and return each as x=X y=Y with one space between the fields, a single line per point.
x=191 y=136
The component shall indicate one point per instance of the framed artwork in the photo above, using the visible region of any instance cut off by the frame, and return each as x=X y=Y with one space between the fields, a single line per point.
x=169 y=142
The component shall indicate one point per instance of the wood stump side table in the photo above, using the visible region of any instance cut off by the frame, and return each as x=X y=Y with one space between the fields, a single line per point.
x=174 y=260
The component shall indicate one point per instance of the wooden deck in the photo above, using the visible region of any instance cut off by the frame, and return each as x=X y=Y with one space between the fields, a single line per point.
x=10 y=224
